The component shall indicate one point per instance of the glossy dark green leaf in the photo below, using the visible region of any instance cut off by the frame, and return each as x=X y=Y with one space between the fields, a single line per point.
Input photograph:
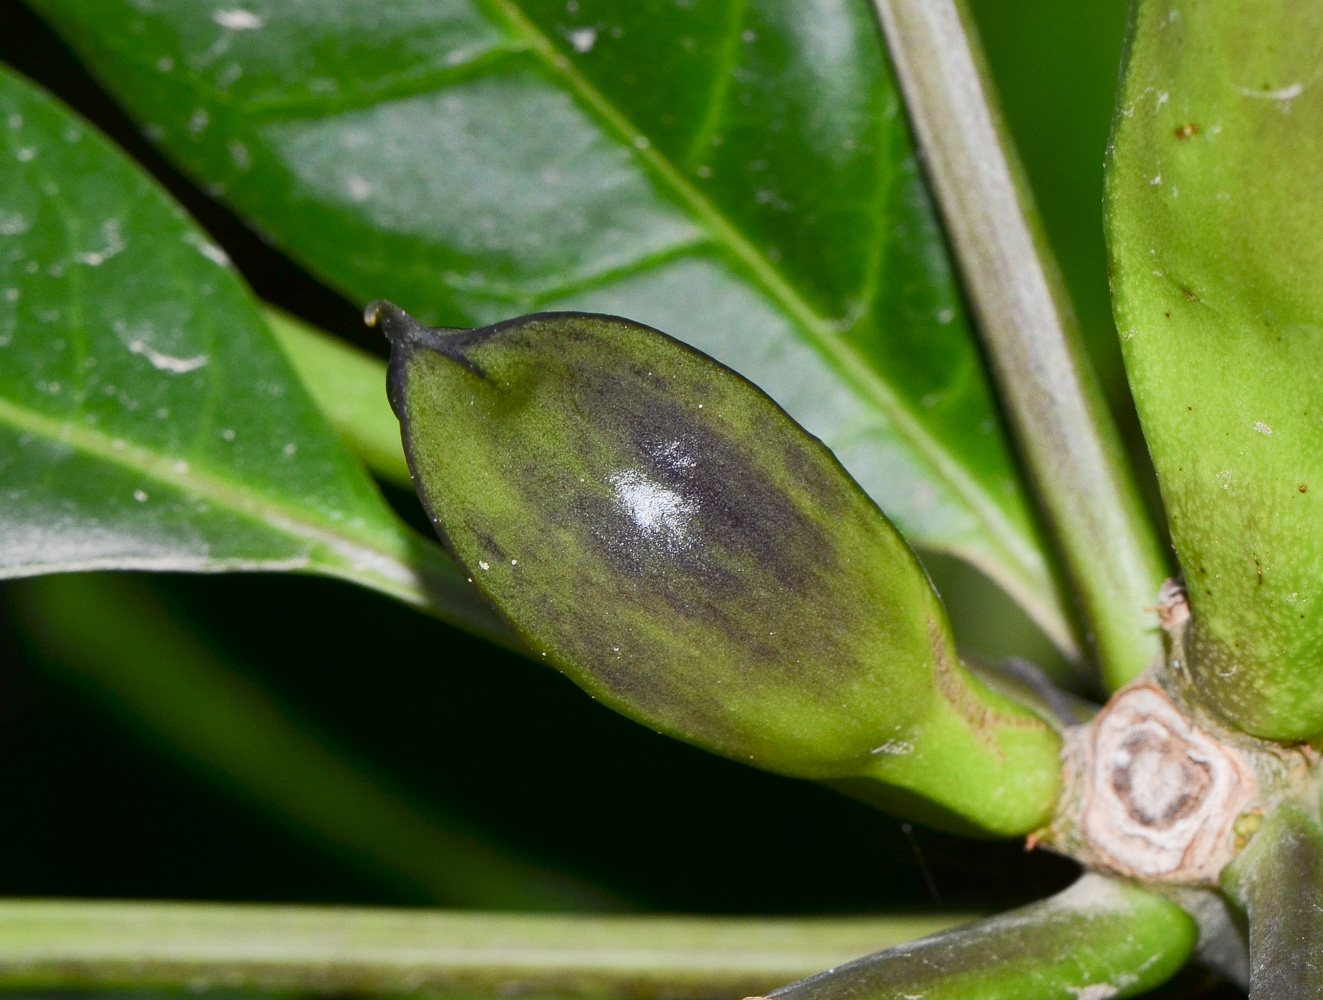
x=1215 y=209
x=739 y=174
x=147 y=420
x=1098 y=940
x=1278 y=881
x=656 y=527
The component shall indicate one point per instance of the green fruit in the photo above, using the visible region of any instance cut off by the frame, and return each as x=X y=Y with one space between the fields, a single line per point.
x=1100 y=938
x=1215 y=226
x=660 y=530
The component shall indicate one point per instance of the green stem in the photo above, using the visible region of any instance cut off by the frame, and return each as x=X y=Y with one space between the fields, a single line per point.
x=113 y=635
x=1099 y=938
x=46 y=945
x=1278 y=881
x=1062 y=426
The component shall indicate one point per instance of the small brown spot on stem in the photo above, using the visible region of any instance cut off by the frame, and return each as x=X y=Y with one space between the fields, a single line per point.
x=1303 y=488
x=1185 y=131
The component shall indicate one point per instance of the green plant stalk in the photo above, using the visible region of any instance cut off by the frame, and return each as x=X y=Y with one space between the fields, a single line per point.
x=1278 y=881
x=349 y=386
x=1098 y=939
x=1066 y=436
x=82 y=945
x=112 y=634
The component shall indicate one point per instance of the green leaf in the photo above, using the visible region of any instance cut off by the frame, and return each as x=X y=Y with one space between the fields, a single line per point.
x=739 y=174
x=656 y=527
x=1214 y=210
x=1278 y=881
x=1098 y=939
x=147 y=420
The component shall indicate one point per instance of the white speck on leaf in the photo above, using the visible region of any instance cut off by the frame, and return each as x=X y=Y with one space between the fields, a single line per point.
x=26 y=154
x=1155 y=181
x=359 y=188
x=140 y=496
x=114 y=243
x=166 y=362
x=165 y=64
x=289 y=449
x=583 y=39
x=13 y=224
x=209 y=250
x=1262 y=428
x=239 y=154
x=483 y=564
x=237 y=19
x=227 y=434
x=198 y=122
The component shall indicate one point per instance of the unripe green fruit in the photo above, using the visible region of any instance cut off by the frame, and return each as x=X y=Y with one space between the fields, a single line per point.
x=660 y=530
x=1214 y=216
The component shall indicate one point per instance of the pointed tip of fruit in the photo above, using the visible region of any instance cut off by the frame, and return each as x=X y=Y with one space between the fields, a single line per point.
x=373 y=310
x=404 y=333
x=393 y=320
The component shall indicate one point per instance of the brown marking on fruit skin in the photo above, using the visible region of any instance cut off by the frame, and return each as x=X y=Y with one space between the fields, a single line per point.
x=1185 y=131
x=954 y=689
